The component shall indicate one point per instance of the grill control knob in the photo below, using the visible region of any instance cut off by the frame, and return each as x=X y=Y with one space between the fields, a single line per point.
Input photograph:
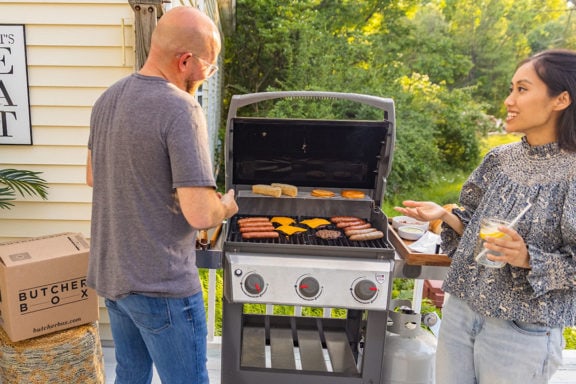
x=308 y=287
x=365 y=290
x=254 y=284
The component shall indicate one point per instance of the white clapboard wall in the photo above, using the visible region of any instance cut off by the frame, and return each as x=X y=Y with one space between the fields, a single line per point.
x=75 y=49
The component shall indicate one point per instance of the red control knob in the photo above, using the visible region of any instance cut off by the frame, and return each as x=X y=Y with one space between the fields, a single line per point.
x=254 y=284
x=365 y=290
x=309 y=287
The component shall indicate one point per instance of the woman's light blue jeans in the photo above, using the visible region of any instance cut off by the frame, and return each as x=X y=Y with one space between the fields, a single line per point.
x=171 y=333
x=473 y=349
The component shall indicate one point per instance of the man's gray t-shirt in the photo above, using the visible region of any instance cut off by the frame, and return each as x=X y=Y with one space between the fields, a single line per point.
x=147 y=138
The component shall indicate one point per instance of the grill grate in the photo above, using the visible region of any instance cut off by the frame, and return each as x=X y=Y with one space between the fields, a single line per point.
x=307 y=238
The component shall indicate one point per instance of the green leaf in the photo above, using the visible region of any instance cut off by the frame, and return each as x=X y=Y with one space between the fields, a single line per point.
x=6 y=195
x=22 y=182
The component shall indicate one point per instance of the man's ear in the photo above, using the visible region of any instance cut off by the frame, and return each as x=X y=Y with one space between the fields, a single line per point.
x=563 y=100
x=182 y=61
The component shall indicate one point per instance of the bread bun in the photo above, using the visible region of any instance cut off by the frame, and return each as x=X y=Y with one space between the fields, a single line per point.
x=450 y=207
x=436 y=225
x=287 y=189
x=322 y=193
x=352 y=194
x=268 y=190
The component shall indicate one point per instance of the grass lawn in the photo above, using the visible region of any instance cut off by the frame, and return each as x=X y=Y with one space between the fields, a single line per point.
x=446 y=189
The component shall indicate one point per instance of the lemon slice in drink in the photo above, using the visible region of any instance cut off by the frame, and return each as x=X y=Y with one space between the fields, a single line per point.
x=490 y=232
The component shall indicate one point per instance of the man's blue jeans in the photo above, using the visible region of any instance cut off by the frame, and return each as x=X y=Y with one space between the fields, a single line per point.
x=473 y=349
x=171 y=333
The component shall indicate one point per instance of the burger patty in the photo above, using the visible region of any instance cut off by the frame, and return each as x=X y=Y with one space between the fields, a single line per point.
x=328 y=234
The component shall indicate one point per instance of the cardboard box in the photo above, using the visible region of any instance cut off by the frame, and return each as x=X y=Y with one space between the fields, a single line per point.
x=43 y=285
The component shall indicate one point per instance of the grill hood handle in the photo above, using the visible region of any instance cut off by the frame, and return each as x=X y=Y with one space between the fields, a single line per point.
x=239 y=101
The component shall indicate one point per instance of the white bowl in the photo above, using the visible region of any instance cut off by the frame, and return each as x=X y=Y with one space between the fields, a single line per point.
x=399 y=221
x=411 y=232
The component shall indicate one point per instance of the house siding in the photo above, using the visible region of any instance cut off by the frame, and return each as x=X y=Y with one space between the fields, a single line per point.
x=75 y=50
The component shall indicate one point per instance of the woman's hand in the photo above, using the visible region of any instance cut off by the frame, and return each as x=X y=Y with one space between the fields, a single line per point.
x=422 y=210
x=512 y=248
x=429 y=211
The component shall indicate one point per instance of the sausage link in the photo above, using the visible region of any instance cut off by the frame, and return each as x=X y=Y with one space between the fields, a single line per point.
x=339 y=219
x=252 y=219
x=255 y=224
x=367 y=236
x=351 y=232
x=260 y=228
x=346 y=224
x=260 y=235
x=359 y=226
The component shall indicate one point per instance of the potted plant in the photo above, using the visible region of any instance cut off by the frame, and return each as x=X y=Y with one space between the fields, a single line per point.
x=22 y=182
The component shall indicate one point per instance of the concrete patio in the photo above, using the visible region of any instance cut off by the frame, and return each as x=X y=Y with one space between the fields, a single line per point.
x=566 y=375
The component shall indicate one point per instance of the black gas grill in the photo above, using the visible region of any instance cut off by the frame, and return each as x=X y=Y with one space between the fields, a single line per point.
x=302 y=270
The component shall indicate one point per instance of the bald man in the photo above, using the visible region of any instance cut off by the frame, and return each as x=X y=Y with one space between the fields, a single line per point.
x=153 y=188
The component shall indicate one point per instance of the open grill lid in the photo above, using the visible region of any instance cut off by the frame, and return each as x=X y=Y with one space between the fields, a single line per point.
x=309 y=153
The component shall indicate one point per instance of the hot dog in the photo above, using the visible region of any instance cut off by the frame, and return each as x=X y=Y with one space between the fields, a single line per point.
x=255 y=224
x=351 y=232
x=346 y=224
x=359 y=226
x=260 y=228
x=260 y=235
x=339 y=219
x=367 y=236
x=252 y=219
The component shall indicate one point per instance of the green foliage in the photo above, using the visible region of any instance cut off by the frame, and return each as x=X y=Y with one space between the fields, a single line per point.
x=437 y=133
x=430 y=49
x=446 y=188
x=25 y=183
x=446 y=67
x=403 y=289
x=493 y=140
x=570 y=337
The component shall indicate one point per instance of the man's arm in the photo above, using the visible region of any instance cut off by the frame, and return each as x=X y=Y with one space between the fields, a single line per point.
x=89 y=179
x=204 y=208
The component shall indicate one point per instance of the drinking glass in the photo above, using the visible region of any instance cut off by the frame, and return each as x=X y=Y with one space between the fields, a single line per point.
x=489 y=228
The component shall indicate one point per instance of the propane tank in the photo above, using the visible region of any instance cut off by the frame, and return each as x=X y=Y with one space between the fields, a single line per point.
x=410 y=351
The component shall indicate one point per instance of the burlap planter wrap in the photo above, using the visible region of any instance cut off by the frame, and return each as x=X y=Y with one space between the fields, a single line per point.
x=73 y=356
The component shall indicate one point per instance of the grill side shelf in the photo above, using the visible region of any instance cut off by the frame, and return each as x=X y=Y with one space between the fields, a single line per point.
x=415 y=258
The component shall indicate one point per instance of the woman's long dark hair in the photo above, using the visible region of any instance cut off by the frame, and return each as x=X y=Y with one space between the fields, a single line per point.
x=557 y=69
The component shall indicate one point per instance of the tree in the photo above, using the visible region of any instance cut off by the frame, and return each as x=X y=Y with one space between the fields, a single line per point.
x=429 y=48
x=25 y=183
x=446 y=63
x=494 y=34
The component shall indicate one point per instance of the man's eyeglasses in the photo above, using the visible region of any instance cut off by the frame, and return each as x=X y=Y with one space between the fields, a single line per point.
x=212 y=68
